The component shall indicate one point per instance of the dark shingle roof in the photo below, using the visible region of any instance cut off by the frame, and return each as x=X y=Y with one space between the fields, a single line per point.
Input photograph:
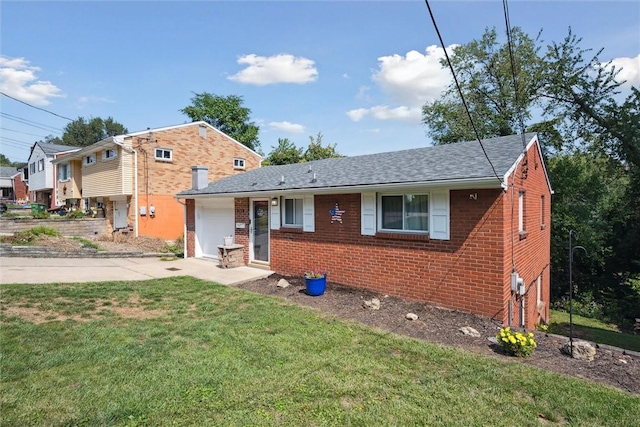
x=7 y=171
x=56 y=148
x=460 y=161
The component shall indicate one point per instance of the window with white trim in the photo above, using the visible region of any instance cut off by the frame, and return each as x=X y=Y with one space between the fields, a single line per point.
x=164 y=154
x=32 y=168
x=404 y=212
x=293 y=212
x=40 y=165
x=543 y=209
x=64 y=172
x=109 y=154
x=238 y=163
x=521 y=213
x=202 y=131
x=539 y=289
x=89 y=160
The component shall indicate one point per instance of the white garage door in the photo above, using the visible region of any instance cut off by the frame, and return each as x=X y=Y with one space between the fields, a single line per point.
x=214 y=220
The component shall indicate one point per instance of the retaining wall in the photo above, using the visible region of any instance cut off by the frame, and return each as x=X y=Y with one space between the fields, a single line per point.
x=84 y=227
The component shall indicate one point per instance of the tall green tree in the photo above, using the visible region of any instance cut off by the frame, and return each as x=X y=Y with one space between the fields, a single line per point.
x=83 y=132
x=316 y=151
x=483 y=70
x=225 y=114
x=4 y=161
x=285 y=153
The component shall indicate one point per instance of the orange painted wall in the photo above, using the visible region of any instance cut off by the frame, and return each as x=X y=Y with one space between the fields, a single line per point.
x=168 y=223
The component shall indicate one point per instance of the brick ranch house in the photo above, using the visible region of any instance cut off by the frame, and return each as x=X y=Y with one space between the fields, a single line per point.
x=132 y=179
x=438 y=224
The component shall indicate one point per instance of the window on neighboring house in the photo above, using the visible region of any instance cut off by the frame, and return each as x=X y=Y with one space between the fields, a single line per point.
x=293 y=212
x=238 y=163
x=521 y=213
x=164 y=154
x=32 y=168
x=404 y=212
x=202 y=130
x=109 y=154
x=40 y=165
x=543 y=208
x=64 y=172
x=90 y=160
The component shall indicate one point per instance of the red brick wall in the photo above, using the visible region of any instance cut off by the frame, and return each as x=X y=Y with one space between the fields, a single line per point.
x=463 y=273
x=21 y=188
x=191 y=227
x=242 y=234
x=531 y=251
x=159 y=181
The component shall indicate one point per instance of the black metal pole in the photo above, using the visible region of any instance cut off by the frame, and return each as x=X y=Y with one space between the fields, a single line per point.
x=571 y=290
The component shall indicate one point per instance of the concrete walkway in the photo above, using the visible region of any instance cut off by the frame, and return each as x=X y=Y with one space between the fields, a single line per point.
x=68 y=270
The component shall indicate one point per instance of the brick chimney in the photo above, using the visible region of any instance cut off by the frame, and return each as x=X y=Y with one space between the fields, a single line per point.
x=199 y=177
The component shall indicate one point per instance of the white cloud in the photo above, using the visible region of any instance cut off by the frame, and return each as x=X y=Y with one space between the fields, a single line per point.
x=629 y=70
x=282 y=68
x=408 y=81
x=102 y=99
x=19 y=80
x=287 y=127
x=383 y=112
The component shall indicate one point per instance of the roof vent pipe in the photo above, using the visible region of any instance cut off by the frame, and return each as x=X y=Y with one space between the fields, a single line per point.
x=199 y=177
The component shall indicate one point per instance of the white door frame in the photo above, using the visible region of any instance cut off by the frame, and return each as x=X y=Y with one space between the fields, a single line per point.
x=252 y=237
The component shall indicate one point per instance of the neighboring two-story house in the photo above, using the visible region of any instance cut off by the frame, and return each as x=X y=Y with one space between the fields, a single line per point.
x=132 y=179
x=43 y=175
x=441 y=224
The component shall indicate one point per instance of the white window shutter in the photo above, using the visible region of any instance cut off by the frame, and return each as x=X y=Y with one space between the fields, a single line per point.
x=308 y=214
x=439 y=215
x=368 y=214
x=275 y=217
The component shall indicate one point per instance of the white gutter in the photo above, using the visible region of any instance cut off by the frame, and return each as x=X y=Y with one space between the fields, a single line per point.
x=459 y=184
x=135 y=190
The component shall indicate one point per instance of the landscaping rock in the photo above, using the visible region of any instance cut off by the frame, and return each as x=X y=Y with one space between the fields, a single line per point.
x=468 y=330
x=283 y=283
x=372 y=304
x=582 y=350
x=412 y=316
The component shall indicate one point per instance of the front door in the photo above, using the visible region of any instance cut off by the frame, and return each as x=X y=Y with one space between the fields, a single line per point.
x=259 y=230
x=119 y=215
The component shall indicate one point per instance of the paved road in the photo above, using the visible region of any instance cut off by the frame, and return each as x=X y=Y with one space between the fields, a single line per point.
x=67 y=270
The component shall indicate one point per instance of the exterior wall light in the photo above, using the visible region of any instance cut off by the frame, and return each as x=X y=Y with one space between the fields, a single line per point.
x=274 y=201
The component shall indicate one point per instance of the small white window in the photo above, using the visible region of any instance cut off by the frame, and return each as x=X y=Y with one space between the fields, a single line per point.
x=90 y=160
x=543 y=209
x=109 y=154
x=164 y=154
x=238 y=163
x=64 y=172
x=203 y=131
x=521 y=213
x=293 y=212
x=32 y=168
x=40 y=165
x=539 y=289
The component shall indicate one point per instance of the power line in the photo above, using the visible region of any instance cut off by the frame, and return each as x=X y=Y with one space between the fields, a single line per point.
x=37 y=108
x=31 y=123
x=507 y=22
x=14 y=140
x=455 y=79
x=24 y=133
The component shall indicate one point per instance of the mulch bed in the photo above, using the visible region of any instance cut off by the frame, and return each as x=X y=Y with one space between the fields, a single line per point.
x=613 y=367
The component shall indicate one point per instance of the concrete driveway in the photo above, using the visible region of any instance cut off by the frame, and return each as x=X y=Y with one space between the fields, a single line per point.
x=67 y=270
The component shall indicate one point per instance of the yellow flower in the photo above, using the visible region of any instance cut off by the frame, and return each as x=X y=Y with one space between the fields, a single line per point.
x=512 y=339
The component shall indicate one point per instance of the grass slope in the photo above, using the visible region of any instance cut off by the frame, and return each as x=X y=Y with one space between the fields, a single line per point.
x=592 y=330
x=204 y=354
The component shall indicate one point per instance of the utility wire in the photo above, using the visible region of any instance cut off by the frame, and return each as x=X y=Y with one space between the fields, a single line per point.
x=31 y=123
x=37 y=108
x=455 y=79
x=507 y=22
x=24 y=133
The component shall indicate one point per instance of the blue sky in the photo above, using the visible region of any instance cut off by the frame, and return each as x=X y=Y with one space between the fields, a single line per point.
x=357 y=71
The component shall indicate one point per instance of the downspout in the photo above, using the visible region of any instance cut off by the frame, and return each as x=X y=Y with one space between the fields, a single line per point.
x=135 y=190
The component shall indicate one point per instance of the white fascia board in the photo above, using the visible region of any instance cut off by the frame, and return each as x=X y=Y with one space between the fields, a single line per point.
x=513 y=167
x=90 y=149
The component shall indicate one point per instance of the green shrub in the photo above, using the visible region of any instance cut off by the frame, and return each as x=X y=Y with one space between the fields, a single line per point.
x=42 y=230
x=76 y=214
x=87 y=243
x=10 y=215
x=41 y=215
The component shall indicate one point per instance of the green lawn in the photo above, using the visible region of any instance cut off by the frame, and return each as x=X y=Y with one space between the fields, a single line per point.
x=592 y=330
x=181 y=351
